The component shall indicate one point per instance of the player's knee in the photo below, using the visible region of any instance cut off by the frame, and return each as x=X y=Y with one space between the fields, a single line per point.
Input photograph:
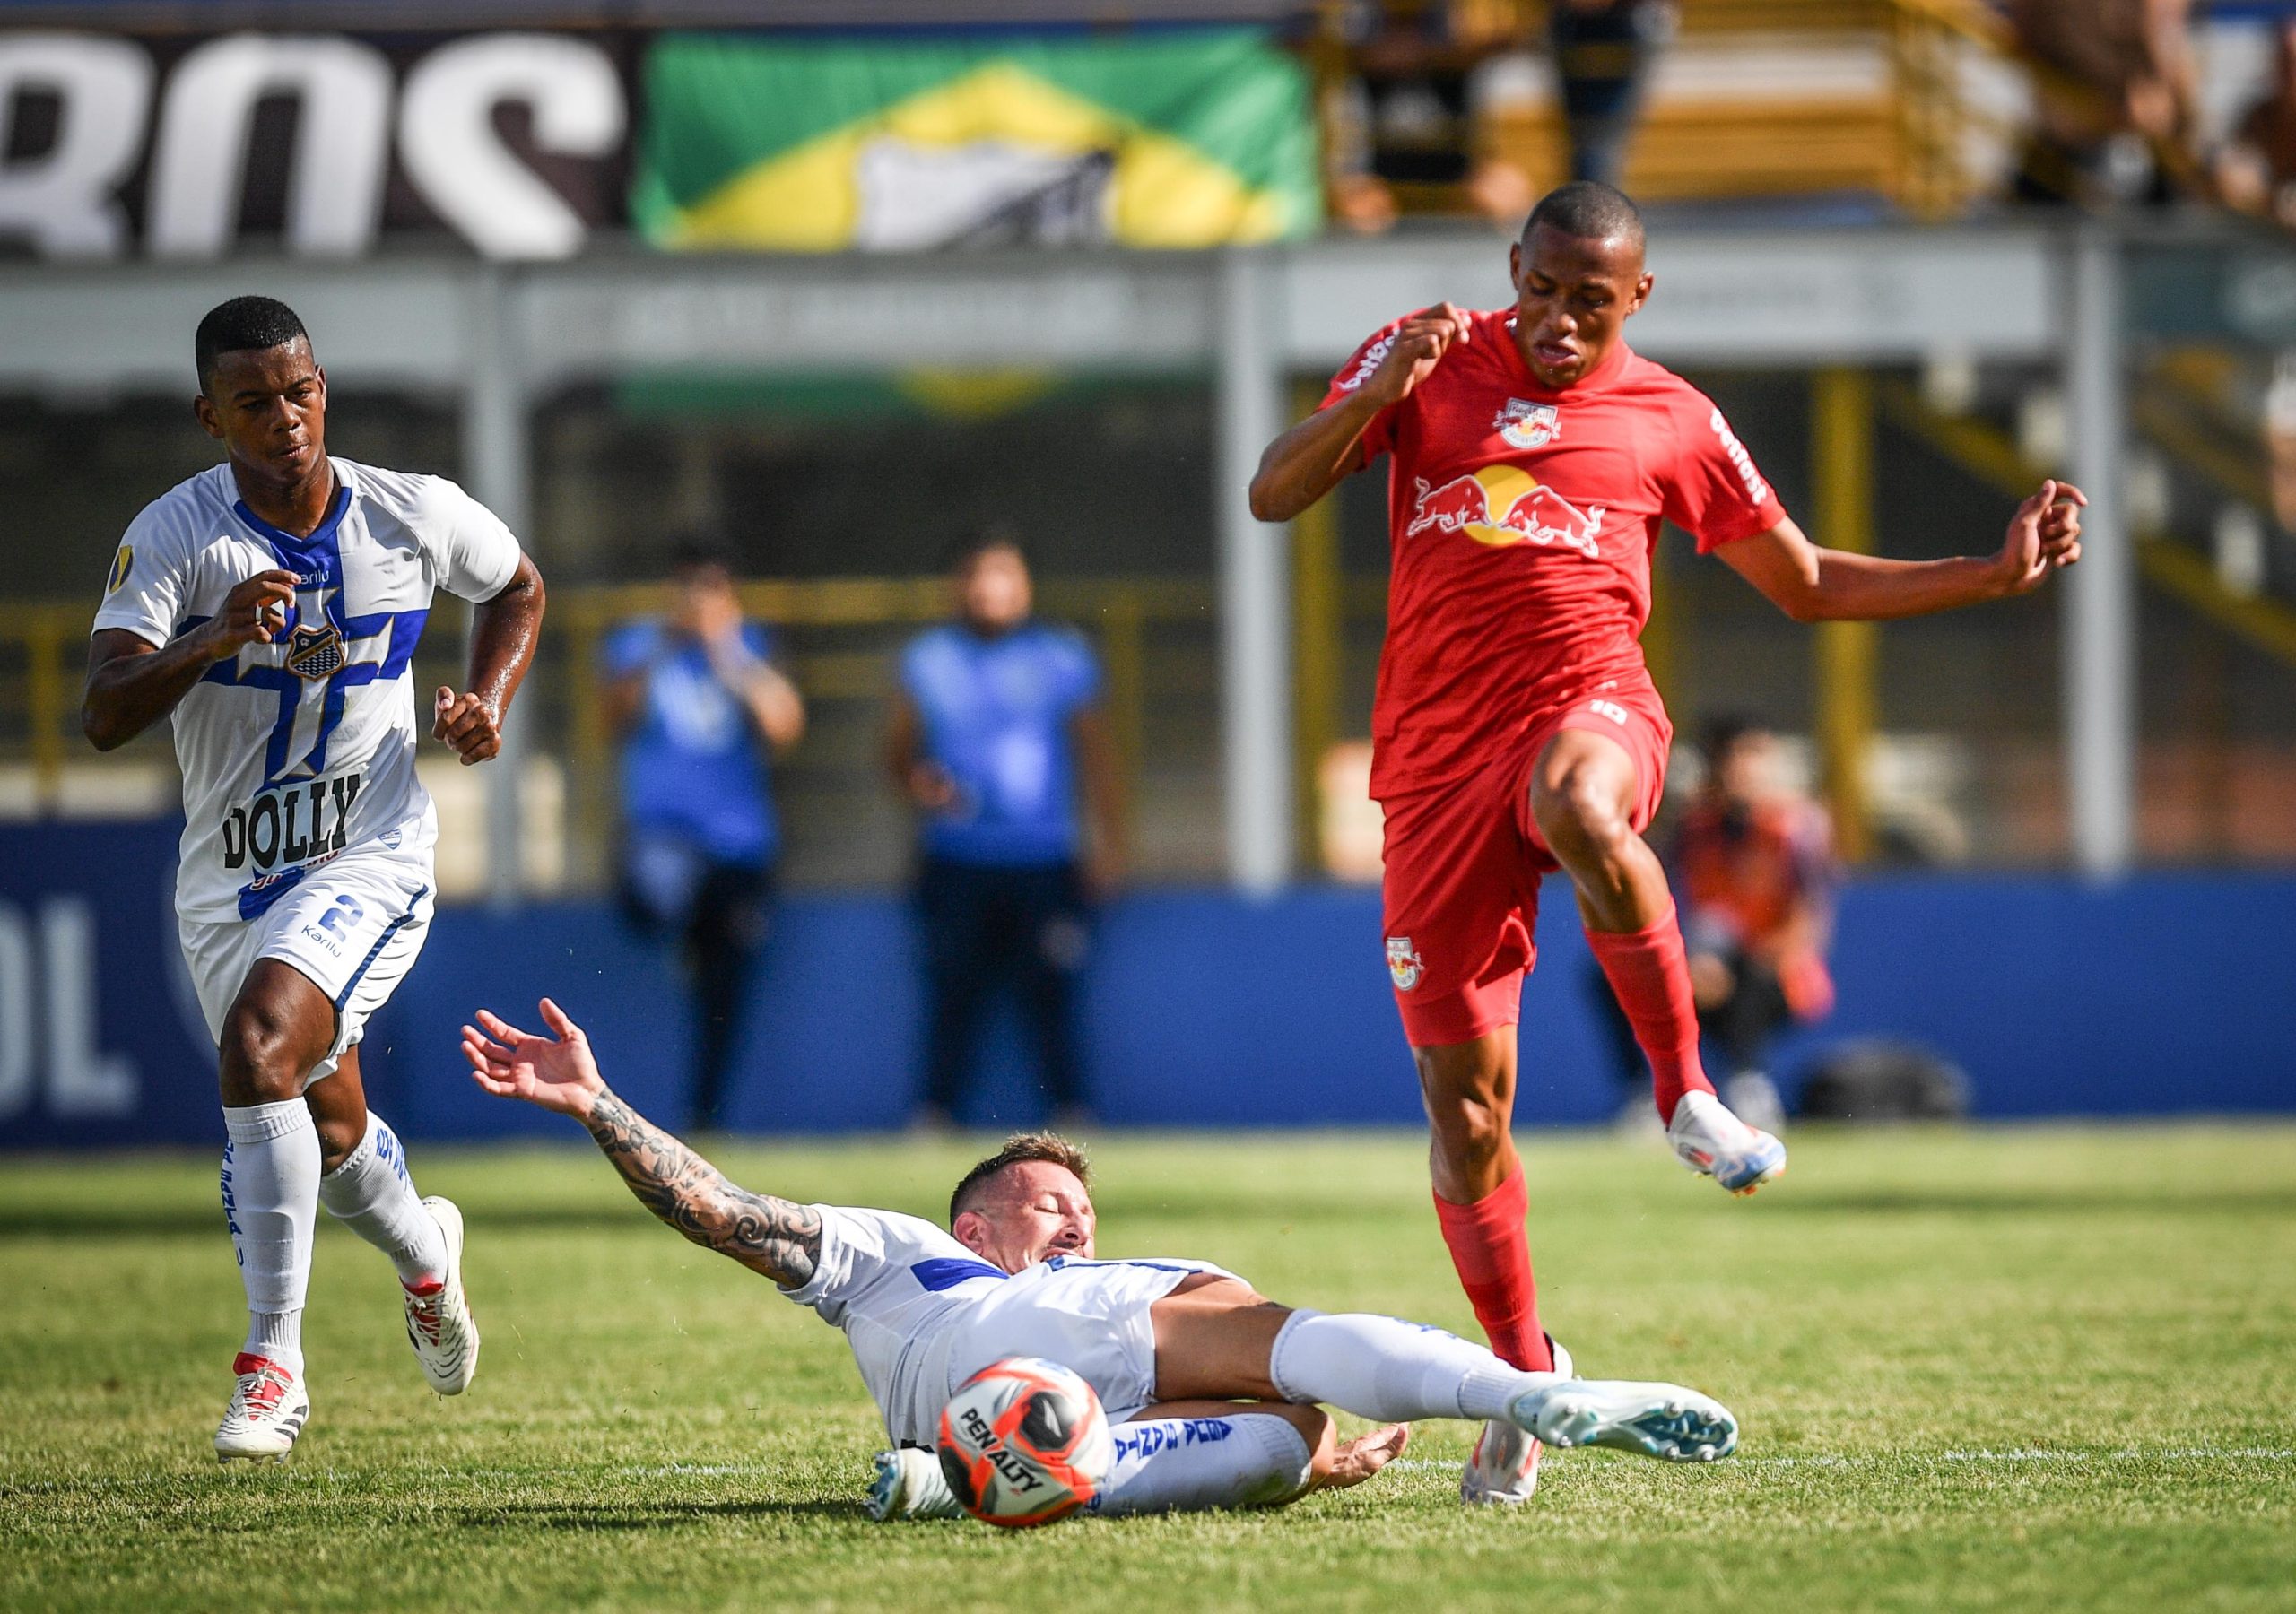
x=259 y=1057
x=1579 y=816
x=1470 y=1132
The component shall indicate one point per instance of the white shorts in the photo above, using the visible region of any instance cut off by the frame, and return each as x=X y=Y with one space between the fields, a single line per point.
x=352 y=925
x=1090 y=1316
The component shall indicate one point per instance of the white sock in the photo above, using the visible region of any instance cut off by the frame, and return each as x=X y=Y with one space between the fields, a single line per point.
x=278 y=1335
x=271 y=1198
x=1188 y=1464
x=372 y=1195
x=1391 y=1371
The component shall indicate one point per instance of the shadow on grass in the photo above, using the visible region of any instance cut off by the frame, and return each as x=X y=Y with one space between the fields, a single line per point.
x=643 y=1515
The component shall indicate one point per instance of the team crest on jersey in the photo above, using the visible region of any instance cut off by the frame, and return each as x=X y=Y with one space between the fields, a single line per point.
x=1528 y=425
x=315 y=652
x=122 y=564
x=1403 y=967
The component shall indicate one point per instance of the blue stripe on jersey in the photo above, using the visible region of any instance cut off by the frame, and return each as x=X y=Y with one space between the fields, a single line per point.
x=1161 y=1266
x=376 y=951
x=316 y=562
x=947 y=1271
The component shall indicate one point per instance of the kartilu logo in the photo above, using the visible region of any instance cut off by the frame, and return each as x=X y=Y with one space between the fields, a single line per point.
x=1403 y=967
x=1501 y=505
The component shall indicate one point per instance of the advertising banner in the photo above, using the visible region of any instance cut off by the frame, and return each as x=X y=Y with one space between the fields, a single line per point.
x=101 y=1042
x=529 y=144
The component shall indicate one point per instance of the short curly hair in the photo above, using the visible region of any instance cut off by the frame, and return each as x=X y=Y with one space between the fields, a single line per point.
x=1049 y=1147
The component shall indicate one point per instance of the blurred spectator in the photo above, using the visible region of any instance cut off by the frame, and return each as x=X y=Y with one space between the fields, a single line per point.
x=997 y=730
x=2255 y=172
x=2116 y=92
x=1754 y=873
x=1401 y=120
x=700 y=710
x=1604 y=50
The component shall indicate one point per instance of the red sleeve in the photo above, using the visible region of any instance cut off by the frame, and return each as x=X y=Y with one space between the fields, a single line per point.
x=1714 y=492
x=1379 y=436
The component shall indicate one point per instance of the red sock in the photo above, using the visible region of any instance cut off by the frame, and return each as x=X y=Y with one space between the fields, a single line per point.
x=1493 y=1254
x=1651 y=976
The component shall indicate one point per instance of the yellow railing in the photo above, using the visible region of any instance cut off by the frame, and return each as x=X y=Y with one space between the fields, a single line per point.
x=48 y=633
x=41 y=703
x=1910 y=141
x=2267 y=624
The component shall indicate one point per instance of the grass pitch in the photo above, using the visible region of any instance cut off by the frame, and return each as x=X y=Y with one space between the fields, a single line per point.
x=2030 y=1369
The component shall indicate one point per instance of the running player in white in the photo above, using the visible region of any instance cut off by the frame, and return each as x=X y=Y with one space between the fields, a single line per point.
x=1214 y=1389
x=270 y=607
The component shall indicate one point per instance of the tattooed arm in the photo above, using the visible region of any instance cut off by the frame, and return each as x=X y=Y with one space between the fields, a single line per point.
x=764 y=1234
x=557 y=1072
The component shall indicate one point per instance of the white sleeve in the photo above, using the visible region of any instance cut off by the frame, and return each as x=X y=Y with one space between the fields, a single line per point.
x=859 y=1248
x=475 y=554
x=853 y=1253
x=150 y=579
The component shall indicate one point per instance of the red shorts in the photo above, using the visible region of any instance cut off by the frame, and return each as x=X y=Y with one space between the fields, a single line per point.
x=1461 y=891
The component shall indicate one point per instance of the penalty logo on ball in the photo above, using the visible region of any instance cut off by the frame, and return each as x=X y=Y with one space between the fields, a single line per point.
x=1024 y=1442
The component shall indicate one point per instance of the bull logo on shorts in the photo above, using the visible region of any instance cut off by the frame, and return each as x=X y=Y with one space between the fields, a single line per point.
x=1403 y=967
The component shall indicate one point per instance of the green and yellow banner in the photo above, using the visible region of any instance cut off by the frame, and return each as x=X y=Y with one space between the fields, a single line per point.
x=1177 y=139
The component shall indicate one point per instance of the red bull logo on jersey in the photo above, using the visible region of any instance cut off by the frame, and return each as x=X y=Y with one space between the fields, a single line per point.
x=1528 y=425
x=1501 y=504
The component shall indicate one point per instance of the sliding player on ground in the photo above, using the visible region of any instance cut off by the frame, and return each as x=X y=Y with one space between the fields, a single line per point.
x=1213 y=1390
x=270 y=607
x=1516 y=729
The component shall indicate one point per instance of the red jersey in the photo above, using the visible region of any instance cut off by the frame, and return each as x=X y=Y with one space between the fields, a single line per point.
x=1520 y=522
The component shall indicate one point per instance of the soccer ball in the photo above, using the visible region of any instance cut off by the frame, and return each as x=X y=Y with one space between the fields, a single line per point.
x=1024 y=1442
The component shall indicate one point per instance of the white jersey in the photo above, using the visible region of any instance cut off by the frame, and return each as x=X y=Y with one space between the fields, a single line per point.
x=299 y=749
x=923 y=1314
x=895 y=1284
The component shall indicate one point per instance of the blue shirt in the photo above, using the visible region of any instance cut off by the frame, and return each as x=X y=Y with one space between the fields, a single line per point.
x=996 y=715
x=693 y=766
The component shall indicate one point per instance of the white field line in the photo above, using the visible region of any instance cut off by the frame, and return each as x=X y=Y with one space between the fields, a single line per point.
x=2124 y=1454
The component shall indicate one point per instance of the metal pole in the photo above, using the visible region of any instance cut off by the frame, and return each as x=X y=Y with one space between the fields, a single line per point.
x=1848 y=654
x=1255 y=626
x=2100 y=599
x=497 y=465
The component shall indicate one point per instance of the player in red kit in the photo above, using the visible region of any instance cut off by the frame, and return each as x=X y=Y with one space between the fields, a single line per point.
x=1516 y=729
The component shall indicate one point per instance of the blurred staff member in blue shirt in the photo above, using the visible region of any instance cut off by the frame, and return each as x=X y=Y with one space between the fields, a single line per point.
x=700 y=710
x=996 y=731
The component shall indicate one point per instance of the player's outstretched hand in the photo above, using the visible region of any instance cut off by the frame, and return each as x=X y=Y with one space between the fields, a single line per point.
x=2044 y=534
x=556 y=1071
x=1356 y=1460
x=255 y=612
x=1419 y=346
x=468 y=723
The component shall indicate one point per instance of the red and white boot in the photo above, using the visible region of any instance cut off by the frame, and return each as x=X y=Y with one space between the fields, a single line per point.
x=1504 y=1470
x=268 y=1409
x=438 y=1322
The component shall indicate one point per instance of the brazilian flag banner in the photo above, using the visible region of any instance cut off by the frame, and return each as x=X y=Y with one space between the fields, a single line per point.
x=1174 y=140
